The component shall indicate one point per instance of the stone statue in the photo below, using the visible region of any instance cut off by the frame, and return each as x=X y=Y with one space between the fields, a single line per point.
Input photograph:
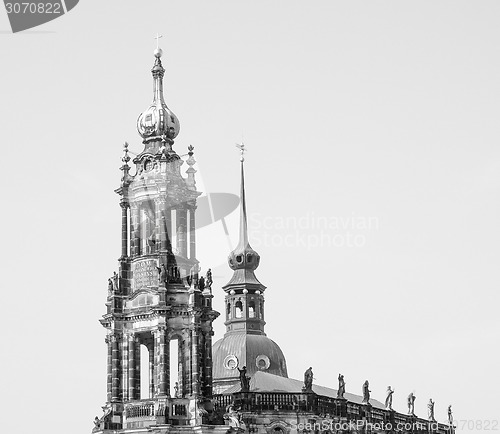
x=244 y=380
x=209 y=278
x=201 y=283
x=162 y=273
x=176 y=389
x=411 y=403
x=366 y=392
x=115 y=281
x=430 y=407
x=450 y=416
x=233 y=416
x=308 y=380
x=341 y=391
x=388 y=399
x=97 y=422
x=110 y=286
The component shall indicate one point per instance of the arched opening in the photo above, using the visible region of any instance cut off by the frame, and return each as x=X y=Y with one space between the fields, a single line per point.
x=251 y=309
x=175 y=382
x=145 y=372
x=239 y=309
x=228 y=311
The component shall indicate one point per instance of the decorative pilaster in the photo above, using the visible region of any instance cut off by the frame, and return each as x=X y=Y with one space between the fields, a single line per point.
x=207 y=341
x=134 y=229
x=192 y=234
x=161 y=243
x=115 y=369
x=109 y=376
x=124 y=206
x=181 y=232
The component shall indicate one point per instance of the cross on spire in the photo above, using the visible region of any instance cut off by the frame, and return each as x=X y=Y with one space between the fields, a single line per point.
x=157 y=37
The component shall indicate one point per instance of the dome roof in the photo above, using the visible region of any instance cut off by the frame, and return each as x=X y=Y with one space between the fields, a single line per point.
x=158 y=121
x=255 y=351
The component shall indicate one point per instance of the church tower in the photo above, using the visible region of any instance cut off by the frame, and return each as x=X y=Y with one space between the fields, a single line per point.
x=158 y=296
x=244 y=344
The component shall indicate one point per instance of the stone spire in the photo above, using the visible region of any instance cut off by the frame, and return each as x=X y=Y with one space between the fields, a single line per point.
x=243 y=259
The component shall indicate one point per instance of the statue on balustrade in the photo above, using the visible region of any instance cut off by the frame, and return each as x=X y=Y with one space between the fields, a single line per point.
x=341 y=390
x=450 y=416
x=176 y=389
x=110 y=286
x=388 y=399
x=244 y=380
x=411 y=403
x=366 y=392
x=308 y=380
x=209 y=281
x=430 y=407
x=114 y=281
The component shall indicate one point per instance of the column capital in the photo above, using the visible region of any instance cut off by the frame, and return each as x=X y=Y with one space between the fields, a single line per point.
x=124 y=205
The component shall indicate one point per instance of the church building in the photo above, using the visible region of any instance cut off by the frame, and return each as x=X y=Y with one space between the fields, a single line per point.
x=165 y=373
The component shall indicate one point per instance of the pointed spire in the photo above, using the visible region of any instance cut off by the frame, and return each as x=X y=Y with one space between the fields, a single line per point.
x=243 y=241
x=243 y=259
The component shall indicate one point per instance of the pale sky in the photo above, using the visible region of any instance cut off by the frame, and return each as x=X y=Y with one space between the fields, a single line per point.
x=370 y=121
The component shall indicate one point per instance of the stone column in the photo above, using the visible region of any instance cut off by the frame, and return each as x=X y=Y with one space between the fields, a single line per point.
x=195 y=369
x=192 y=234
x=115 y=369
x=208 y=362
x=168 y=228
x=124 y=380
x=162 y=363
x=161 y=239
x=124 y=206
x=134 y=230
x=151 y=353
x=137 y=375
x=131 y=367
x=181 y=232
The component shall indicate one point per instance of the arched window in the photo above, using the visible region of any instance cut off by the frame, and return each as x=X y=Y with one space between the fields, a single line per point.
x=251 y=309
x=239 y=309
x=228 y=310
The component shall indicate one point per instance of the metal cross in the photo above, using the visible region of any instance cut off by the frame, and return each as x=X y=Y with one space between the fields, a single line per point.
x=157 y=37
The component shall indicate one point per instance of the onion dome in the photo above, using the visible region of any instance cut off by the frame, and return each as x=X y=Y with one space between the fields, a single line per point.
x=158 y=121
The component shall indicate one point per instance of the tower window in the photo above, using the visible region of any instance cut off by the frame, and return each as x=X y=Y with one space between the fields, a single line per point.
x=239 y=259
x=251 y=309
x=239 y=309
x=228 y=310
x=249 y=258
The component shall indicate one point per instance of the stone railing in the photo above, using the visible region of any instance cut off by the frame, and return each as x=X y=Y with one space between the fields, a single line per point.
x=326 y=407
x=140 y=409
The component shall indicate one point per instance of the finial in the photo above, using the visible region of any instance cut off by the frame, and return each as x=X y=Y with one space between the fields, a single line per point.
x=158 y=51
x=242 y=149
x=125 y=157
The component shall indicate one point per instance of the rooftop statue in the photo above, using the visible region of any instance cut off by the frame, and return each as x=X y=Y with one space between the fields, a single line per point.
x=430 y=407
x=388 y=399
x=308 y=380
x=366 y=392
x=341 y=390
x=411 y=403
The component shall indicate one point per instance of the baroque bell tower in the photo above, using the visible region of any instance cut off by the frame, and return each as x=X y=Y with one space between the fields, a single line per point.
x=158 y=296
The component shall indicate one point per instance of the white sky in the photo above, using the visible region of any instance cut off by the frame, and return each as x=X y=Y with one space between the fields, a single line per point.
x=381 y=110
